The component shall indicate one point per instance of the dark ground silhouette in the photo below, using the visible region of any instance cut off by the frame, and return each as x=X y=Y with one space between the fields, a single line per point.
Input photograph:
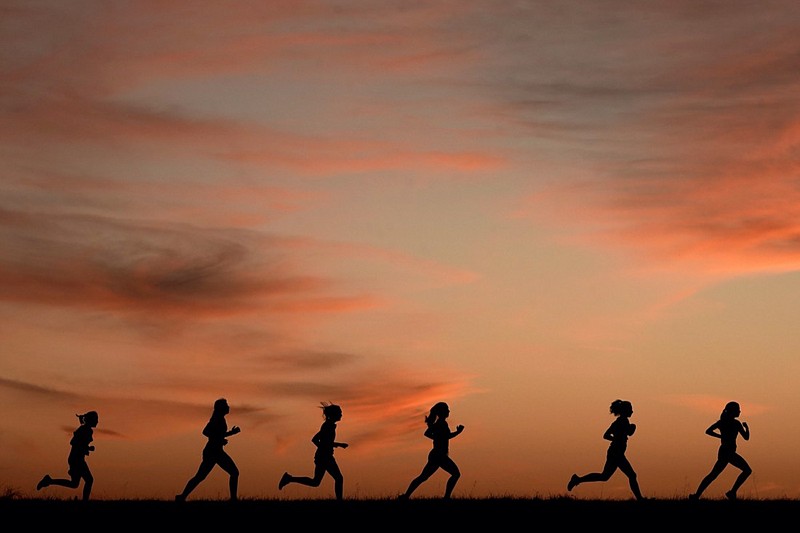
x=417 y=514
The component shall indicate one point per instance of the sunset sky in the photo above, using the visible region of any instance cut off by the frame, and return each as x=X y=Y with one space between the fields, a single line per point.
x=526 y=209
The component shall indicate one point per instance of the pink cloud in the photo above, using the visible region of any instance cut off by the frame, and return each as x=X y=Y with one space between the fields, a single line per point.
x=703 y=177
x=65 y=93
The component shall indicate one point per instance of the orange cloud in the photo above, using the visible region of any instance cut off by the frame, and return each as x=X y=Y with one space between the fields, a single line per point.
x=705 y=180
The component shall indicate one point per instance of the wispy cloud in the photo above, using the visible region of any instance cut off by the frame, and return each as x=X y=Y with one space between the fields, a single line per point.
x=695 y=166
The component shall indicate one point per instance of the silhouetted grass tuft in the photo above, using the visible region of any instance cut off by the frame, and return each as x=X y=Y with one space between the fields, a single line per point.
x=9 y=493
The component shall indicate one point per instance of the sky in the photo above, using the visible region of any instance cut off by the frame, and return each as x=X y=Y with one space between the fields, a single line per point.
x=526 y=209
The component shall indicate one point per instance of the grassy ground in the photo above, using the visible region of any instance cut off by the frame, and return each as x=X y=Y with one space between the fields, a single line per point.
x=415 y=514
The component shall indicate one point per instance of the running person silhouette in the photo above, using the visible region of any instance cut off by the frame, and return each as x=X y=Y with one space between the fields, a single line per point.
x=78 y=467
x=439 y=457
x=618 y=433
x=324 y=461
x=727 y=429
x=216 y=431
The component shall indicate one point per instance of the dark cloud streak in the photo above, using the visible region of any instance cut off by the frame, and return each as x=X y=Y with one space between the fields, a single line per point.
x=117 y=264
